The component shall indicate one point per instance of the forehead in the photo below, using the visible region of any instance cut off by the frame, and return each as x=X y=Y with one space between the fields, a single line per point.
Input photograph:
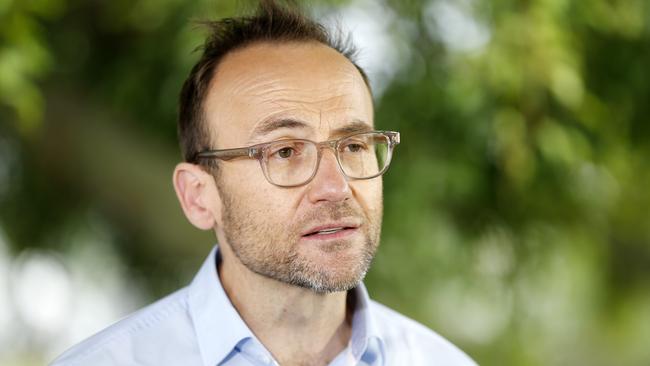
x=308 y=82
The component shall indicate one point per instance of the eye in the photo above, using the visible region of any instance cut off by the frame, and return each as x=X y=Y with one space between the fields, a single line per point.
x=285 y=152
x=355 y=147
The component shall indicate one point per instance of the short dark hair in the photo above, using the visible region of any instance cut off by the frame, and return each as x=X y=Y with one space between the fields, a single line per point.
x=272 y=22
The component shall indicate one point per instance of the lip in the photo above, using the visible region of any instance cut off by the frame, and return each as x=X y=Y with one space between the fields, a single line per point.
x=349 y=227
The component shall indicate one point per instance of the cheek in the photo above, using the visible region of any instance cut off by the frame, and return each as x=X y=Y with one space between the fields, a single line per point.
x=253 y=193
x=245 y=182
x=244 y=172
x=368 y=193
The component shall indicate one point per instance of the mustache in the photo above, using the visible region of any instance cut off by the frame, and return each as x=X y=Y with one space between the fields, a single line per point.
x=332 y=212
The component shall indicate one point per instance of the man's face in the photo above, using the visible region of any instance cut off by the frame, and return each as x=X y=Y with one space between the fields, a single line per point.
x=322 y=235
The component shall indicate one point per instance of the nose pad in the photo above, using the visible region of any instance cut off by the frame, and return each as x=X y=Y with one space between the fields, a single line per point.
x=327 y=150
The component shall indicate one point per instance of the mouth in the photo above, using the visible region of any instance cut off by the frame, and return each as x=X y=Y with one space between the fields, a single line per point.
x=331 y=231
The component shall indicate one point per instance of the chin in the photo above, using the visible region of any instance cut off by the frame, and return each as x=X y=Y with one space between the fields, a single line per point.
x=329 y=282
x=340 y=269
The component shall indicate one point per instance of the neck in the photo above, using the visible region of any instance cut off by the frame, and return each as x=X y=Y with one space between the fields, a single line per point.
x=297 y=325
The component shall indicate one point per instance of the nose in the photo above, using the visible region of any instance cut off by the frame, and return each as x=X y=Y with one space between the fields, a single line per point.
x=329 y=183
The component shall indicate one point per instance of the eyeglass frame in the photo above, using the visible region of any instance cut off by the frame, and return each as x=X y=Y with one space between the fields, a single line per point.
x=257 y=152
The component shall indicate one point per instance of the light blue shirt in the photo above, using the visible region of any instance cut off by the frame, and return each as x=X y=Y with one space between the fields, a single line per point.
x=198 y=325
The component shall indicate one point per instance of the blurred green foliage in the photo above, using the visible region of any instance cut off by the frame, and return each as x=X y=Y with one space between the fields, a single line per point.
x=517 y=209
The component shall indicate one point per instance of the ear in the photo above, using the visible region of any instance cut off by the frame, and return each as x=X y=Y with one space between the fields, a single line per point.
x=197 y=192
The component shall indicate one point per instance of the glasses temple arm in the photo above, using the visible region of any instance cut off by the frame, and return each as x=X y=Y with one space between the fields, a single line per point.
x=226 y=154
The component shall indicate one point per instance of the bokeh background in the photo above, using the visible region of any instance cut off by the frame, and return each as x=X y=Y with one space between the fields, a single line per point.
x=517 y=209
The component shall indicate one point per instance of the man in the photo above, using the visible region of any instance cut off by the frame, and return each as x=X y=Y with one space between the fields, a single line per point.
x=282 y=161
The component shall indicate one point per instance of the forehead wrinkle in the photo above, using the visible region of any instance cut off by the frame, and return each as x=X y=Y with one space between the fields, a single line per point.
x=254 y=87
x=286 y=81
x=255 y=84
x=325 y=104
x=304 y=102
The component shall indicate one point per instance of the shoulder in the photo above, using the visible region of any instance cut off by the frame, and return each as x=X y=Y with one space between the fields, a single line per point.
x=404 y=338
x=141 y=336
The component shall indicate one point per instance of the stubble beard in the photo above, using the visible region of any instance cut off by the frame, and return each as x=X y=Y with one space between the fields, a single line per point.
x=271 y=249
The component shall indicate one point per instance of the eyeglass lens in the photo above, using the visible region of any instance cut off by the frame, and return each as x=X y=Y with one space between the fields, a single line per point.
x=293 y=162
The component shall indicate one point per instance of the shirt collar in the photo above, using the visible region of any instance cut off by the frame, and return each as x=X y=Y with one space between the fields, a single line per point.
x=219 y=327
x=365 y=333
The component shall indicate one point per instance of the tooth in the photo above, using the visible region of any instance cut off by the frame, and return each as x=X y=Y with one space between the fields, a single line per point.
x=329 y=231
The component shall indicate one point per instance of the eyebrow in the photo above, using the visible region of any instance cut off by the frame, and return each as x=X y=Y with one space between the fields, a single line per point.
x=356 y=125
x=269 y=126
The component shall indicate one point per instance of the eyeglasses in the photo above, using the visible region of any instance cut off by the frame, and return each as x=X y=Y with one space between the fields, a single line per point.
x=294 y=162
